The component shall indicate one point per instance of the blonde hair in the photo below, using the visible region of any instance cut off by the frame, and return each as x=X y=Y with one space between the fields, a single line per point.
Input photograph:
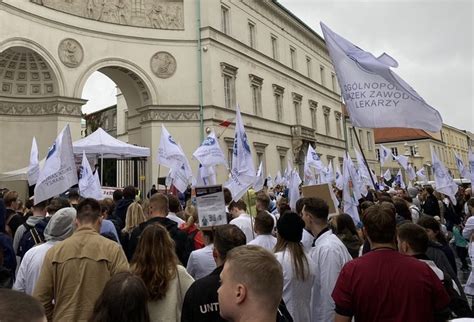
x=191 y=214
x=134 y=217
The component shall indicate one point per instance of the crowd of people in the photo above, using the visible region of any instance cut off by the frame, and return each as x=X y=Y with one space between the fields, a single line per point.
x=125 y=259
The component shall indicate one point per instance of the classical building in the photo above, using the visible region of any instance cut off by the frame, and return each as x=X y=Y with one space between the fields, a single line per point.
x=182 y=63
x=417 y=146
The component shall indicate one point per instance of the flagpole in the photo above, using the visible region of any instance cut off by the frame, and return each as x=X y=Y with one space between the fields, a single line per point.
x=250 y=213
x=363 y=156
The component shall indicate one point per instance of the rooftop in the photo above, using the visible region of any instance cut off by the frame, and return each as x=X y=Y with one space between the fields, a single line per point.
x=395 y=134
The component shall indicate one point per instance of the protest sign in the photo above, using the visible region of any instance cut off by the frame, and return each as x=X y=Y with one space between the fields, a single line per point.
x=210 y=206
x=322 y=191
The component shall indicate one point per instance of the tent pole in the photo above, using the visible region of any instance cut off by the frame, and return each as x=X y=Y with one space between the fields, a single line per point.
x=102 y=168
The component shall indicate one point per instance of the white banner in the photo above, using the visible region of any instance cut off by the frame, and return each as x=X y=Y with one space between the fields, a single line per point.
x=33 y=169
x=209 y=153
x=89 y=183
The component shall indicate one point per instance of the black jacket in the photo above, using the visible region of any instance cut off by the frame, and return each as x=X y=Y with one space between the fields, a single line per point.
x=120 y=212
x=176 y=234
x=201 y=301
x=431 y=206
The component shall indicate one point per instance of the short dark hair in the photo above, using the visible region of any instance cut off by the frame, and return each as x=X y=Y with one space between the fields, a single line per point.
x=263 y=199
x=10 y=197
x=316 y=207
x=401 y=207
x=380 y=224
x=129 y=192
x=41 y=205
x=415 y=236
x=117 y=195
x=173 y=203
x=227 y=196
x=57 y=203
x=300 y=205
x=227 y=237
x=429 y=222
x=124 y=298
x=240 y=204
x=264 y=223
x=429 y=189
x=470 y=203
x=88 y=211
x=73 y=194
x=19 y=307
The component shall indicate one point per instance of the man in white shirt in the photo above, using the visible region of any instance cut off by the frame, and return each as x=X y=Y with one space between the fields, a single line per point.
x=59 y=227
x=307 y=239
x=329 y=254
x=263 y=229
x=201 y=261
x=263 y=204
x=174 y=208
x=242 y=219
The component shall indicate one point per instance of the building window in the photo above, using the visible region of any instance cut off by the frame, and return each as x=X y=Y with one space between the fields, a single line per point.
x=297 y=98
x=369 y=141
x=229 y=74
x=260 y=151
x=106 y=123
x=313 y=108
x=252 y=34
x=327 y=124
x=256 y=89
x=293 y=57
x=361 y=137
x=230 y=151
x=333 y=80
x=225 y=23
x=321 y=71
x=338 y=116
x=274 y=47
x=309 y=67
x=394 y=153
x=282 y=154
x=412 y=150
x=278 y=93
x=351 y=137
x=377 y=154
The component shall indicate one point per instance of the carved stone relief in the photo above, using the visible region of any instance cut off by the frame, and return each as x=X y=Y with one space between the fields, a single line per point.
x=158 y=14
x=46 y=108
x=163 y=115
x=163 y=64
x=70 y=52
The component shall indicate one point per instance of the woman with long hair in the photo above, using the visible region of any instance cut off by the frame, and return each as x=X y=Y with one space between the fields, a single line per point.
x=298 y=269
x=133 y=218
x=167 y=282
x=345 y=229
x=123 y=299
x=191 y=228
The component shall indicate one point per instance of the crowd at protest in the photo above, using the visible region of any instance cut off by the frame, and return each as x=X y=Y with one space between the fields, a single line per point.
x=125 y=259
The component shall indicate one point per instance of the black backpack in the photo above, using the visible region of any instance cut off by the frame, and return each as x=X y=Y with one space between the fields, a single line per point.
x=458 y=305
x=32 y=236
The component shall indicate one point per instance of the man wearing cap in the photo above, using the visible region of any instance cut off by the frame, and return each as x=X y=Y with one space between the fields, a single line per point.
x=58 y=228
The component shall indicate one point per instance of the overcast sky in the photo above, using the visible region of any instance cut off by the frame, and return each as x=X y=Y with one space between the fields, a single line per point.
x=432 y=40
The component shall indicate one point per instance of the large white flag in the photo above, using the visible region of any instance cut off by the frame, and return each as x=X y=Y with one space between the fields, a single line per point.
x=89 y=183
x=463 y=171
x=443 y=180
x=209 y=153
x=170 y=153
x=206 y=176
x=313 y=160
x=350 y=193
x=33 y=168
x=59 y=171
x=259 y=179
x=278 y=178
x=366 y=176
x=402 y=161
x=385 y=154
x=339 y=180
x=327 y=174
x=372 y=91
x=294 y=182
x=182 y=176
x=270 y=181
x=387 y=175
x=471 y=165
x=411 y=173
x=242 y=174
x=309 y=175
x=399 y=180
x=421 y=174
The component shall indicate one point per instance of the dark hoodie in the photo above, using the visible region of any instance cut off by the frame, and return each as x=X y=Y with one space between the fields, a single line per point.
x=7 y=255
x=176 y=234
x=120 y=213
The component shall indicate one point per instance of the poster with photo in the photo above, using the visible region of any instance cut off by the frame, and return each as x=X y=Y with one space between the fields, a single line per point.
x=211 y=206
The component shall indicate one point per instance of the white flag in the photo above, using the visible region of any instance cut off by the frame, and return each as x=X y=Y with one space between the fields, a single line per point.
x=411 y=173
x=385 y=154
x=372 y=91
x=209 y=153
x=243 y=170
x=339 y=180
x=463 y=171
x=402 y=161
x=89 y=183
x=278 y=179
x=294 y=188
x=270 y=181
x=421 y=174
x=59 y=171
x=206 y=176
x=471 y=165
x=366 y=176
x=443 y=180
x=350 y=195
x=309 y=175
x=399 y=179
x=169 y=153
x=327 y=174
x=387 y=175
x=259 y=179
x=313 y=160
x=33 y=169
x=182 y=176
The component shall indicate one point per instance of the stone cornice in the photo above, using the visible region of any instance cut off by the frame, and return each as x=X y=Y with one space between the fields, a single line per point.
x=169 y=115
x=44 y=106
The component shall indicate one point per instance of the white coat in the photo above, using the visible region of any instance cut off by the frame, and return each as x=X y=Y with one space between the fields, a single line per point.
x=296 y=292
x=201 y=262
x=329 y=255
x=266 y=241
x=244 y=222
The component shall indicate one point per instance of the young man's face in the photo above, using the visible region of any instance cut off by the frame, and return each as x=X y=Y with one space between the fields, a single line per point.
x=227 y=293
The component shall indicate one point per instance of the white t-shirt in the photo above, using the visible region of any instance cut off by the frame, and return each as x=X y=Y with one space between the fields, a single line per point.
x=244 y=222
x=201 y=262
x=176 y=219
x=266 y=241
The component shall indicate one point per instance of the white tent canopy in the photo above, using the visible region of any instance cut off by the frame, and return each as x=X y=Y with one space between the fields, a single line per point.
x=104 y=145
x=17 y=175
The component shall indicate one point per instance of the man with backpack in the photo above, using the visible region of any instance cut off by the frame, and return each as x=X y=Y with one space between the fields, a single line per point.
x=31 y=233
